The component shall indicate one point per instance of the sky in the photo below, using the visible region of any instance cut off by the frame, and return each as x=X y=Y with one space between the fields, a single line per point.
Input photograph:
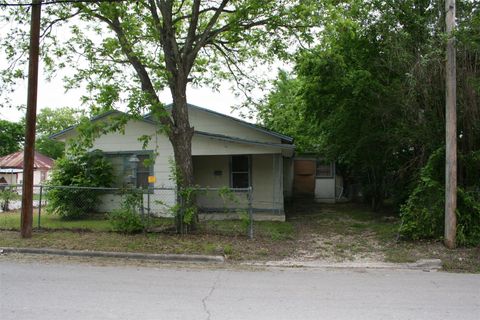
x=53 y=95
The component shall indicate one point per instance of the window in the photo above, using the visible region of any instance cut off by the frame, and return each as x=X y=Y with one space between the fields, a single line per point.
x=43 y=176
x=123 y=169
x=143 y=171
x=324 y=169
x=240 y=171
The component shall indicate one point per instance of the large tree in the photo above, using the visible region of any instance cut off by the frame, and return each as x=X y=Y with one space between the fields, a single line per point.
x=131 y=50
x=50 y=121
x=11 y=137
x=374 y=89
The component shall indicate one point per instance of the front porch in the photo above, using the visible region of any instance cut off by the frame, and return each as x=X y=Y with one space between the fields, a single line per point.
x=263 y=172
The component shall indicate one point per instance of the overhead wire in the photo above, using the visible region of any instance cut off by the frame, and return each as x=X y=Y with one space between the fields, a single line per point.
x=49 y=2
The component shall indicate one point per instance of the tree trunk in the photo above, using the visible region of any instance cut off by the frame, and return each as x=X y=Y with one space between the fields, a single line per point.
x=181 y=138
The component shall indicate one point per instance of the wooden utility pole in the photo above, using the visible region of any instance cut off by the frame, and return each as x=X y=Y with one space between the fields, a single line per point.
x=31 y=118
x=451 y=130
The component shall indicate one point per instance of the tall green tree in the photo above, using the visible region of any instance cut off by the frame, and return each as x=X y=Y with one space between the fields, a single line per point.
x=284 y=110
x=50 y=121
x=375 y=87
x=11 y=137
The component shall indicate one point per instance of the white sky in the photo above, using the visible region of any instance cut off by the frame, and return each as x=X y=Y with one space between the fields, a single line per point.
x=52 y=94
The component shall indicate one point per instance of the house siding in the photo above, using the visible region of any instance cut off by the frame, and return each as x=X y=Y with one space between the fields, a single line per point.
x=207 y=122
x=266 y=179
x=210 y=146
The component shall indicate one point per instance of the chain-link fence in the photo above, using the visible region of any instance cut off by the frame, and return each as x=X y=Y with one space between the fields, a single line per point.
x=155 y=209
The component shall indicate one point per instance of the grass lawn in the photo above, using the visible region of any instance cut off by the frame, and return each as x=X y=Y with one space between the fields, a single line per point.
x=11 y=221
x=330 y=233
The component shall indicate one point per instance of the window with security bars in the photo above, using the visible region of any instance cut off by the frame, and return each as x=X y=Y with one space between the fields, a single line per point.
x=123 y=170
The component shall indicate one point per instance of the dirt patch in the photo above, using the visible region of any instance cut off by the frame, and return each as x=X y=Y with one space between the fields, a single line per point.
x=339 y=233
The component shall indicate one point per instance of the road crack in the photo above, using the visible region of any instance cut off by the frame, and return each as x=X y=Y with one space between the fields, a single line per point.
x=212 y=289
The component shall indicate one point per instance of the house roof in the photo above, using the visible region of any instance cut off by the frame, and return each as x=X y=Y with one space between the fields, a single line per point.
x=15 y=161
x=244 y=141
x=241 y=122
x=148 y=118
x=99 y=117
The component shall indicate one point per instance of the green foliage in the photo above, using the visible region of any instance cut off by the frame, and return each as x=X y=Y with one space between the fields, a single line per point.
x=7 y=194
x=11 y=137
x=371 y=94
x=186 y=211
x=127 y=219
x=245 y=221
x=84 y=170
x=50 y=148
x=285 y=111
x=51 y=121
x=423 y=213
x=228 y=249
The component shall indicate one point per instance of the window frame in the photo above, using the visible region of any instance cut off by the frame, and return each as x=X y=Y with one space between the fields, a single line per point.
x=249 y=172
x=127 y=154
x=322 y=162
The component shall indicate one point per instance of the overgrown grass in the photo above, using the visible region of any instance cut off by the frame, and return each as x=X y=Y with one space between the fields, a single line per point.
x=273 y=230
x=273 y=240
x=331 y=232
x=94 y=222
x=11 y=221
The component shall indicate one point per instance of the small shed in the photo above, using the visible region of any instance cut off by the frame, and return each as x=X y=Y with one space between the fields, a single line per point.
x=316 y=178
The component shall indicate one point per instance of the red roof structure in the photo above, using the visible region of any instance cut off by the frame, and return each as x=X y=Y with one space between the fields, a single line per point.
x=15 y=161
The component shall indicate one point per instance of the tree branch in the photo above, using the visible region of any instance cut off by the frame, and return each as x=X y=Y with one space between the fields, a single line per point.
x=192 y=28
x=53 y=22
x=139 y=67
x=192 y=54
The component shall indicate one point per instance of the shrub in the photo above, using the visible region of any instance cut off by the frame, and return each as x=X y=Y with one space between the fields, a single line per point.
x=423 y=213
x=84 y=170
x=7 y=194
x=127 y=219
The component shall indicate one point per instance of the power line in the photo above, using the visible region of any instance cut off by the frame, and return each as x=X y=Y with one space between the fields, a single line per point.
x=47 y=2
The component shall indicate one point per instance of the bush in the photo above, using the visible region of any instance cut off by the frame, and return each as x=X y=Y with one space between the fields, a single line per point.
x=423 y=214
x=127 y=219
x=7 y=194
x=85 y=170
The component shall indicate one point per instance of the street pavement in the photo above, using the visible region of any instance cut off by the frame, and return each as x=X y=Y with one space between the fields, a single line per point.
x=68 y=290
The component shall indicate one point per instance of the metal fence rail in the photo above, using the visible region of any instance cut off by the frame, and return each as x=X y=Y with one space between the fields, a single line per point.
x=155 y=203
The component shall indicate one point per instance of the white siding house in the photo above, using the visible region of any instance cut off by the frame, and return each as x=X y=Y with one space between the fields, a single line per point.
x=11 y=168
x=226 y=151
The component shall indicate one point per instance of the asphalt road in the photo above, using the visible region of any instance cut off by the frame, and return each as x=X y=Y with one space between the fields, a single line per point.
x=30 y=290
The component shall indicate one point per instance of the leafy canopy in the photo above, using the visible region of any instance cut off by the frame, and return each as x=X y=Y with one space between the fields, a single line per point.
x=11 y=137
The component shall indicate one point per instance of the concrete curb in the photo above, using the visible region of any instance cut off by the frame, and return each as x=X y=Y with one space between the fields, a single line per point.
x=128 y=255
x=424 y=264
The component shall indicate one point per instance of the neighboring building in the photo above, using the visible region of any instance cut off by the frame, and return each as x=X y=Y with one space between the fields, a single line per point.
x=227 y=152
x=316 y=179
x=11 y=168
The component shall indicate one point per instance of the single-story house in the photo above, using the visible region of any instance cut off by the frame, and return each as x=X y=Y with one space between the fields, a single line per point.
x=317 y=179
x=11 y=168
x=226 y=152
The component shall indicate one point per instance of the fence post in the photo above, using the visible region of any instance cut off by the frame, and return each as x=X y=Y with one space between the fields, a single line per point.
x=250 y=212
x=139 y=191
x=40 y=206
x=148 y=205
x=182 y=208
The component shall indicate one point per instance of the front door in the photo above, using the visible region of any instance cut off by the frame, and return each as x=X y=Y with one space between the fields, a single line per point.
x=304 y=177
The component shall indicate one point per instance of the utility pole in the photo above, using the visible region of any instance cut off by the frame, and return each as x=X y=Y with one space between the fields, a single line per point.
x=31 y=118
x=451 y=129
